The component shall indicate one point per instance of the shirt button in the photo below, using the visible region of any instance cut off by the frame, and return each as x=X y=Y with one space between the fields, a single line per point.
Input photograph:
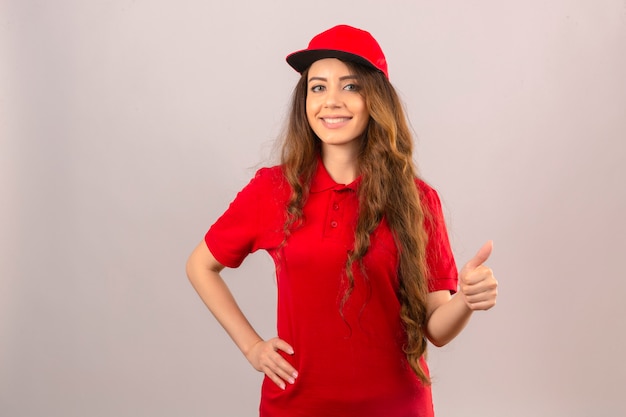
x=333 y=224
x=335 y=206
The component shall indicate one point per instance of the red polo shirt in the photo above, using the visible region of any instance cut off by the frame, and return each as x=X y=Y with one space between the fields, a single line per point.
x=350 y=362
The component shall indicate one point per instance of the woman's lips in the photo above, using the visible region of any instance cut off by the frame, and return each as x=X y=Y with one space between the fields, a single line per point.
x=335 y=122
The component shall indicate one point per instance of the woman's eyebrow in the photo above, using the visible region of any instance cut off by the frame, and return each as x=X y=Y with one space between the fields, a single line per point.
x=345 y=77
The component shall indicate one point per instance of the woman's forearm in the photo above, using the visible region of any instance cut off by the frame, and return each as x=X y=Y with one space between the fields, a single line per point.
x=206 y=280
x=203 y=271
x=447 y=321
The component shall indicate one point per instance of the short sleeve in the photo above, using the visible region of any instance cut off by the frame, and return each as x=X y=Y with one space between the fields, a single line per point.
x=442 y=270
x=238 y=232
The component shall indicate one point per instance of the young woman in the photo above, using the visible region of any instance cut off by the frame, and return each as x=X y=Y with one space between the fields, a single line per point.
x=365 y=272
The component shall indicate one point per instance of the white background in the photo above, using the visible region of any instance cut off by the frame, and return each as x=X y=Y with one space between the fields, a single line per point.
x=126 y=127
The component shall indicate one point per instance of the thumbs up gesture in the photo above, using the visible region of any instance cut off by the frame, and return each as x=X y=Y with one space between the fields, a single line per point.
x=477 y=284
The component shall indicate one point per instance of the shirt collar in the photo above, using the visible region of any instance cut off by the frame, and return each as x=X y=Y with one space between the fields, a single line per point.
x=322 y=181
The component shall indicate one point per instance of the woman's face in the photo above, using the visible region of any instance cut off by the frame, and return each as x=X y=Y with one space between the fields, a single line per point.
x=335 y=108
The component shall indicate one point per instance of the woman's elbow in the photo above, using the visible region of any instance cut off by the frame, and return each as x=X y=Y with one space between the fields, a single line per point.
x=437 y=341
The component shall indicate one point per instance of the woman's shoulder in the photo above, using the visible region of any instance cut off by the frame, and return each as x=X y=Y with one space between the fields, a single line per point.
x=423 y=187
x=271 y=181
x=270 y=176
x=269 y=172
x=427 y=193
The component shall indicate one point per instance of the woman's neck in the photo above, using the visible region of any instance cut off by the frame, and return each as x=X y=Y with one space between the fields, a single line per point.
x=341 y=163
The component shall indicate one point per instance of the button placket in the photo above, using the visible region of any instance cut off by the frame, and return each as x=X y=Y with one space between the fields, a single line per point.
x=335 y=209
x=334 y=214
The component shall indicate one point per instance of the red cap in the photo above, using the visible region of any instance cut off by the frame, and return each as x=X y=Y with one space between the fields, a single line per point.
x=343 y=42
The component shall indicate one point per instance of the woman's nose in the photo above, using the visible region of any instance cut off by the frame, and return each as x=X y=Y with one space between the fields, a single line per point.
x=332 y=98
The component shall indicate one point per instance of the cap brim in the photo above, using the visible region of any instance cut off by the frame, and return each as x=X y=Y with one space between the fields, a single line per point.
x=301 y=60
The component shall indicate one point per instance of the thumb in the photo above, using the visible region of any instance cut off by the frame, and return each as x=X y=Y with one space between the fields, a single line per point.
x=280 y=344
x=481 y=256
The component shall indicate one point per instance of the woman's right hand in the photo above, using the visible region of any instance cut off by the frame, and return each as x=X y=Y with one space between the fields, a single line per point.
x=265 y=358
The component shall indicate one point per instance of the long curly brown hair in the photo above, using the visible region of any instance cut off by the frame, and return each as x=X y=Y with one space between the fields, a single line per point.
x=387 y=190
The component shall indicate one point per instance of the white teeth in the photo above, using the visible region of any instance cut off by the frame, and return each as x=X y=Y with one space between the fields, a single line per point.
x=336 y=120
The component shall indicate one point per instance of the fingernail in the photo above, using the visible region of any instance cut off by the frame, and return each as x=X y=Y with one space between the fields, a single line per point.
x=295 y=374
x=291 y=381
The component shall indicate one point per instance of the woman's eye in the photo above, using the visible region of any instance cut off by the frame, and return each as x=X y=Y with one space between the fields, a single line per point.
x=317 y=88
x=351 y=87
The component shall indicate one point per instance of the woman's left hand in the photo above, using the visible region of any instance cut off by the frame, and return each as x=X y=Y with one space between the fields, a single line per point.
x=477 y=284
